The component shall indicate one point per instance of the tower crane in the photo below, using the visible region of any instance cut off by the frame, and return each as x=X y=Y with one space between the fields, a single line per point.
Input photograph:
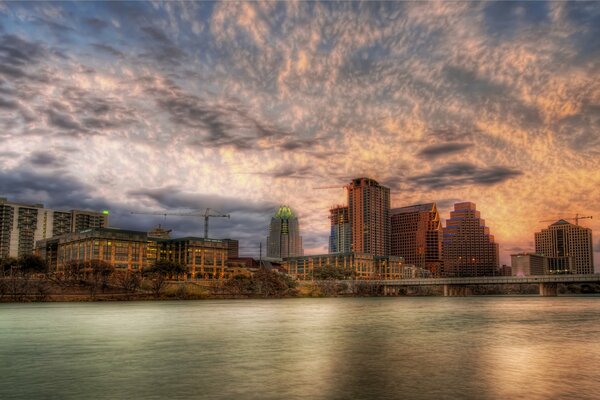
x=207 y=214
x=576 y=219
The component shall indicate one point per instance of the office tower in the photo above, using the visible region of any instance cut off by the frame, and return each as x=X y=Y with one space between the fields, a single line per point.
x=341 y=235
x=526 y=264
x=284 y=238
x=568 y=248
x=416 y=235
x=368 y=212
x=468 y=248
x=21 y=225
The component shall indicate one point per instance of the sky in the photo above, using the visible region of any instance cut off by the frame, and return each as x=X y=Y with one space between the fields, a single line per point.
x=241 y=107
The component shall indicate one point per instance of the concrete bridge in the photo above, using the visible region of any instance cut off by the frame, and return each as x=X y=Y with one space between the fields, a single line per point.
x=548 y=284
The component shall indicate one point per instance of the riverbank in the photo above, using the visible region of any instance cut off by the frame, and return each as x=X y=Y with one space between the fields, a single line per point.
x=46 y=290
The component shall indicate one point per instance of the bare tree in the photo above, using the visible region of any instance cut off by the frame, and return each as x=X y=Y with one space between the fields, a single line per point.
x=160 y=272
x=129 y=281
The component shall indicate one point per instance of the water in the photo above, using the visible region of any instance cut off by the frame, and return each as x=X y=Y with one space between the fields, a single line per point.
x=344 y=348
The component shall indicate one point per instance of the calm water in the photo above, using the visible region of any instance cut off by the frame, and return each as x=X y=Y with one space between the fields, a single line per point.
x=386 y=348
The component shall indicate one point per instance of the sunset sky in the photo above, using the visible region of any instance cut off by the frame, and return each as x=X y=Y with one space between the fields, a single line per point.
x=241 y=107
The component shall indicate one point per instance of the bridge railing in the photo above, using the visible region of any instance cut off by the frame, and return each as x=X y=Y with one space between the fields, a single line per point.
x=483 y=280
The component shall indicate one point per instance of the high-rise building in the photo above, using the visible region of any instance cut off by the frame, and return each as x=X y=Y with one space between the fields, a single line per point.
x=416 y=236
x=341 y=235
x=369 y=215
x=468 y=248
x=21 y=225
x=284 y=238
x=568 y=247
x=526 y=264
x=81 y=220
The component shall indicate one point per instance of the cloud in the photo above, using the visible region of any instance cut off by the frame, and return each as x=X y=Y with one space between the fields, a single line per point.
x=161 y=48
x=108 y=49
x=8 y=104
x=17 y=55
x=96 y=23
x=45 y=159
x=463 y=174
x=63 y=121
x=441 y=149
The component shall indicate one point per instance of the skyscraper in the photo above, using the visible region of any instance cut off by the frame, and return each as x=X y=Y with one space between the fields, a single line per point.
x=568 y=247
x=416 y=235
x=369 y=215
x=341 y=235
x=284 y=238
x=21 y=225
x=468 y=248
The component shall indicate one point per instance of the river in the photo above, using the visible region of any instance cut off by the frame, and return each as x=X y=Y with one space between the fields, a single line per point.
x=326 y=348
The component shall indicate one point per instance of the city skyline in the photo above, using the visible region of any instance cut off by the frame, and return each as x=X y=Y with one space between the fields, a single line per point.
x=140 y=107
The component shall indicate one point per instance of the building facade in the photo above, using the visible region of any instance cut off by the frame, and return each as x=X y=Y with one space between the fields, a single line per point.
x=468 y=248
x=359 y=266
x=233 y=248
x=369 y=216
x=416 y=236
x=134 y=251
x=284 y=238
x=21 y=225
x=569 y=248
x=527 y=264
x=340 y=237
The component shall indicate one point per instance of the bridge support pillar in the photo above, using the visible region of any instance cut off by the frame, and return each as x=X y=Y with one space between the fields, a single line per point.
x=456 y=290
x=548 y=289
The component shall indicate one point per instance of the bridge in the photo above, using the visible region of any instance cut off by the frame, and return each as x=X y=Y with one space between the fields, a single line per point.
x=548 y=284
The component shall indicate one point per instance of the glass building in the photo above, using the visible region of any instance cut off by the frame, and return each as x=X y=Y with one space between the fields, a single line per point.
x=284 y=238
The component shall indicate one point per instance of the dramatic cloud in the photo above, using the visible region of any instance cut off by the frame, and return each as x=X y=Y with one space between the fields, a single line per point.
x=244 y=106
x=463 y=174
x=436 y=150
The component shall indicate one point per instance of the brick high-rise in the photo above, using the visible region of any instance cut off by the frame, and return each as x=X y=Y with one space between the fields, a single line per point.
x=369 y=215
x=416 y=235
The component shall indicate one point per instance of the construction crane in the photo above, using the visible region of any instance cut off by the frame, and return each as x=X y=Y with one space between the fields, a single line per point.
x=207 y=214
x=576 y=219
x=331 y=187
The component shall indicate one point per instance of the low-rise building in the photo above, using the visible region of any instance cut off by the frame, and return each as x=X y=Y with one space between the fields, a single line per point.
x=527 y=264
x=357 y=265
x=135 y=250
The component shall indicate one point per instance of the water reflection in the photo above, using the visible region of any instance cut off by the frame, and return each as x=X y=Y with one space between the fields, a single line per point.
x=417 y=348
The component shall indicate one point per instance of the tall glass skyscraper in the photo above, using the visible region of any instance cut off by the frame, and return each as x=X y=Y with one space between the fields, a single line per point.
x=284 y=238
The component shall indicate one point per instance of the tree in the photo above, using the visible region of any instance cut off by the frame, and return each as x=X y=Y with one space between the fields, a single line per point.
x=270 y=283
x=160 y=272
x=100 y=272
x=32 y=264
x=8 y=264
x=129 y=281
x=239 y=285
x=331 y=272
